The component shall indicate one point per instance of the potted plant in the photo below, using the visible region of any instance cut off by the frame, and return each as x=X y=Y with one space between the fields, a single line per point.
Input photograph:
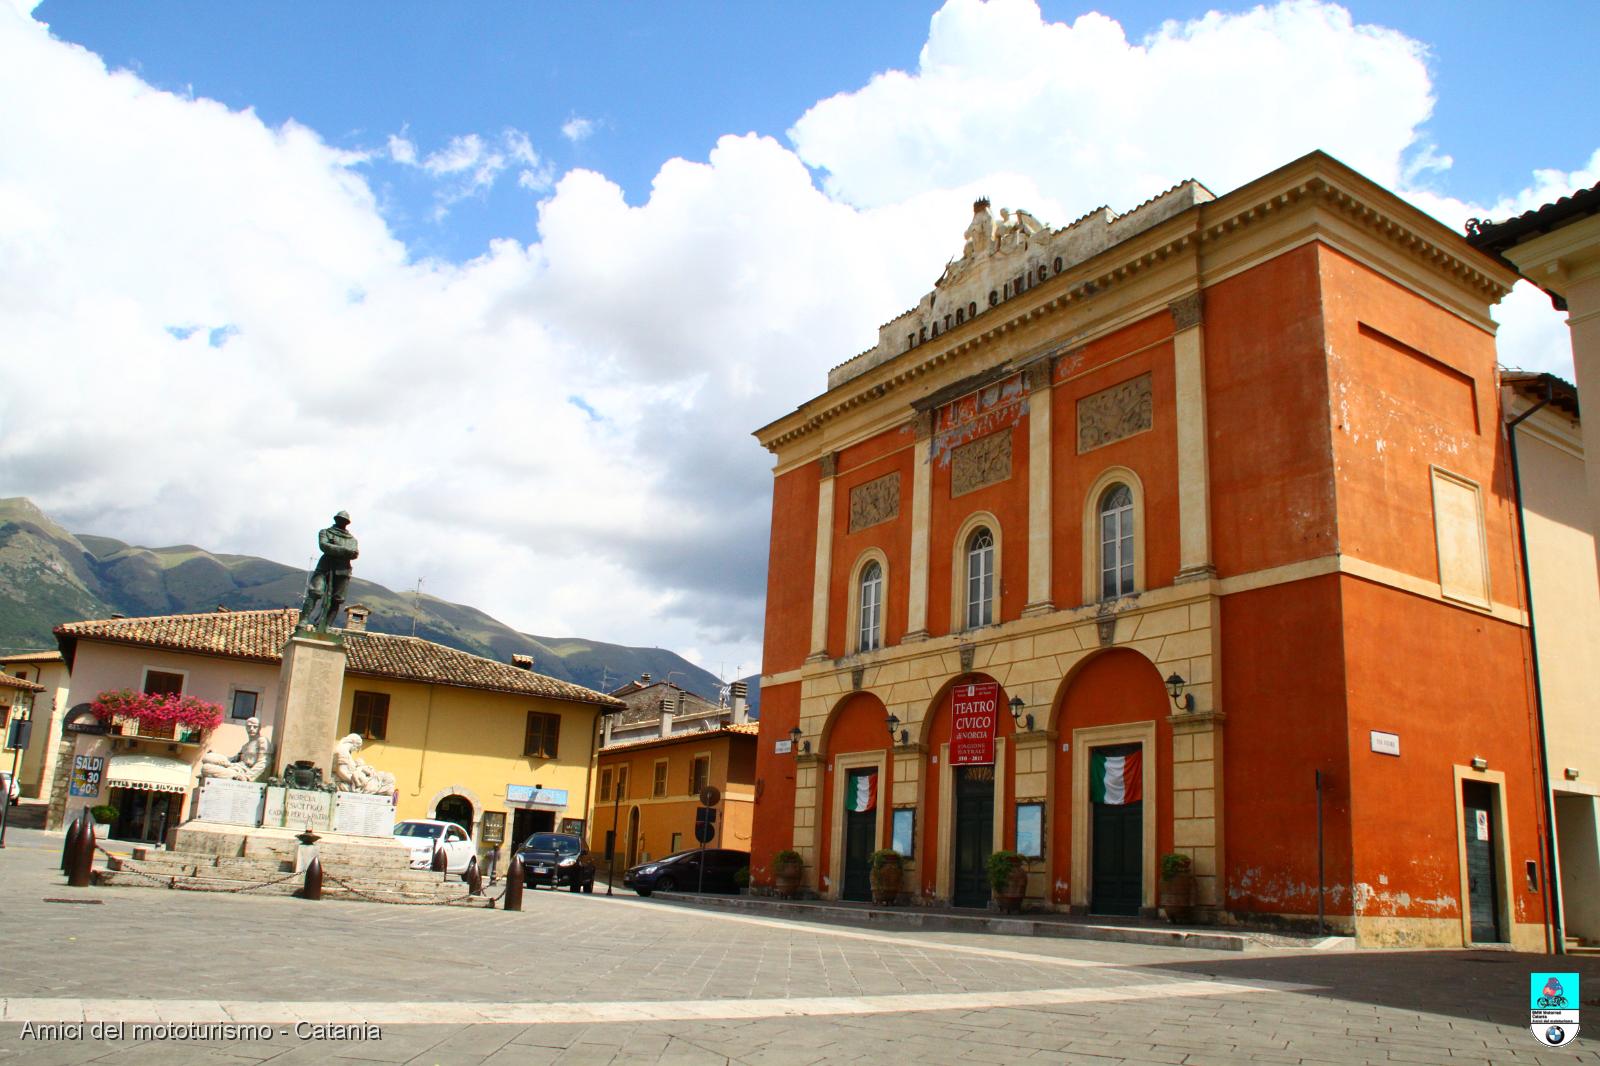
x=887 y=873
x=786 y=873
x=103 y=814
x=1008 y=879
x=741 y=877
x=1177 y=888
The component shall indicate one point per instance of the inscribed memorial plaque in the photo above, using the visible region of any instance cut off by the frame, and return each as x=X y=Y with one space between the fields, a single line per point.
x=364 y=815
x=304 y=807
x=235 y=802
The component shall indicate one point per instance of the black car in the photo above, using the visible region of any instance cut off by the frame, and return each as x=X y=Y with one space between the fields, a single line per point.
x=557 y=859
x=681 y=872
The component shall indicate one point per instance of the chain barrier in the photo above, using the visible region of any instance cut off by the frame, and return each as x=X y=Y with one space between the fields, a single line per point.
x=188 y=884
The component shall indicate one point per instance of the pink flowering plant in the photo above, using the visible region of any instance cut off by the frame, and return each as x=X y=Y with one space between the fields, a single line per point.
x=151 y=709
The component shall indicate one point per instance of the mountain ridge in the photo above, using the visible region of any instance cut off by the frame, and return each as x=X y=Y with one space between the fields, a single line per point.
x=49 y=576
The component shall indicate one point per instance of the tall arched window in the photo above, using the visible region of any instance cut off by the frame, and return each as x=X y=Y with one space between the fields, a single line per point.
x=1116 y=542
x=869 y=634
x=980 y=578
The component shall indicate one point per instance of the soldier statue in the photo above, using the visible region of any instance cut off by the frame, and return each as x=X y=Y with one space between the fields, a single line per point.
x=325 y=590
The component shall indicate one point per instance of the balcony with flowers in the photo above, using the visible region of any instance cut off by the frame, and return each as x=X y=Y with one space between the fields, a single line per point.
x=157 y=716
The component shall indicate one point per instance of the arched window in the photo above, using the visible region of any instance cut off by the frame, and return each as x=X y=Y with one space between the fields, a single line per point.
x=869 y=632
x=1116 y=542
x=980 y=578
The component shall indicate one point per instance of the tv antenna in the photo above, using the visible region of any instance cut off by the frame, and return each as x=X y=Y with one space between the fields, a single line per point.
x=416 y=607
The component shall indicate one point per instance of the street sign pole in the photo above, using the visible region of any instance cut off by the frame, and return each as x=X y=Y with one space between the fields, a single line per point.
x=616 y=810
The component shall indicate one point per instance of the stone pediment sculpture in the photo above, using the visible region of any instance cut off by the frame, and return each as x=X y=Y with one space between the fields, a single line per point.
x=249 y=764
x=351 y=773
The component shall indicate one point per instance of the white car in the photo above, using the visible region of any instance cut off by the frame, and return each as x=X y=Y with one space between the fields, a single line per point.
x=424 y=834
x=13 y=793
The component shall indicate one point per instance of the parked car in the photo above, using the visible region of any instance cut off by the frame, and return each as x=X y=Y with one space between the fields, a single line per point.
x=557 y=859
x=681 y=872
x=424 y=834
x=9 y=783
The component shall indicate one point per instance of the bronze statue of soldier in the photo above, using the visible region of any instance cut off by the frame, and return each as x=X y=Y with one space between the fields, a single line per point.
x=325 y=590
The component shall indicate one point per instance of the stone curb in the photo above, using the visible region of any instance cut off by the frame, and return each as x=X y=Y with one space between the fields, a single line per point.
x=916 y=918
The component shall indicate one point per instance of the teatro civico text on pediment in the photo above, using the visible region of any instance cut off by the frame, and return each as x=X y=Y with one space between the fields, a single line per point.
x=1005 y=256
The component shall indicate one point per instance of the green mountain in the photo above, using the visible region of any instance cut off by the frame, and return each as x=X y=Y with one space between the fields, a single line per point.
x=49 y=576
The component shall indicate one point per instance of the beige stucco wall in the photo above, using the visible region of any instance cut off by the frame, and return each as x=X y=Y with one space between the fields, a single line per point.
x=38 y=762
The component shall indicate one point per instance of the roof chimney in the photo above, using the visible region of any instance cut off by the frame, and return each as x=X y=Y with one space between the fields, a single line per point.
x=355 y=618
x=522 y=662
x=644 y=679
x=668 y=712
x=736 y=698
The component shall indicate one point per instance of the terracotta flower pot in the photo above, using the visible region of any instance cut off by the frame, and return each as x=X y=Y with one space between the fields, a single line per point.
x=1009 y=899
x=886 y=880
x=786 y=875
x=1177 y=899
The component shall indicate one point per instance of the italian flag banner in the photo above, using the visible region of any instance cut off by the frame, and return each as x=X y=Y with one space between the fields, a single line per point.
x=1116 y=779
x=861 y=794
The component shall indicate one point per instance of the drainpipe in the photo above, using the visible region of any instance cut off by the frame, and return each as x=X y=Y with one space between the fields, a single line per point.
x=593 y=769
x=1552 y=877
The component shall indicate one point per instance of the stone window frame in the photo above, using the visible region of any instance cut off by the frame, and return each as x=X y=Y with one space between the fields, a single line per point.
x=605 y=782
x=233 y=703
x=958 y=571
x=853 y=598
x=658 y=778
x=695 y=761
x=1111 y=475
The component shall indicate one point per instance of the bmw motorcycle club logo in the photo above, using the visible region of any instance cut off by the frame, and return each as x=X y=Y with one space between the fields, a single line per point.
x=1553 y=1008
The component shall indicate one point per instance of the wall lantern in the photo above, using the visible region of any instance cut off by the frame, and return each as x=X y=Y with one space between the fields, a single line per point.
x=1184 y=701
x=1479 y=763
x=796 y=745
x=1016 y=713
x=895 y=732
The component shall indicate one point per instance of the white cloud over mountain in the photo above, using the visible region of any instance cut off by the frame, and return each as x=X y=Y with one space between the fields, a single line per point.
x=215 y=337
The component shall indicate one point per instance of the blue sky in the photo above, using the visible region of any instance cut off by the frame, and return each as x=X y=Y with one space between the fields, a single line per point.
x=514 y=283
x=664 y=80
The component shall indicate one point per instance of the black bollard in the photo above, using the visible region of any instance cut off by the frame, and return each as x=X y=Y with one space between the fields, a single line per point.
x=441 y=862
x=70 y=844
x=473 y=878
x=82 y=858
x=313 y=887
x=514 y=877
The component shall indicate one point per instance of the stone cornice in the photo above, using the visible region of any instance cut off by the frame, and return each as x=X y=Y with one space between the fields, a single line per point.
x=1314 y=181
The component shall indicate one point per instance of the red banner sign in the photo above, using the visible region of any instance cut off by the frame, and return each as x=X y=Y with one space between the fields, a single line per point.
x=974 y=710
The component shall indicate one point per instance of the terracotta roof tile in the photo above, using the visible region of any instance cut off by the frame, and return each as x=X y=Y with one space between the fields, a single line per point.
x=260 y=636
x=7 y=681
x=32 y=657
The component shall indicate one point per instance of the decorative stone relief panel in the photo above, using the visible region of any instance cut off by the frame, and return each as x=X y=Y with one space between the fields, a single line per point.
x=980 y=462
x=875 y=501
x=1112 y=414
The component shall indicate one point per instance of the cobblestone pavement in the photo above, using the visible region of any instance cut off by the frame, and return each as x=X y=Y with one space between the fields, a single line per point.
x=586 y=979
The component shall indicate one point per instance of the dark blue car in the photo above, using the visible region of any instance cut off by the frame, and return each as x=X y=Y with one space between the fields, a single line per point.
x=681 y=872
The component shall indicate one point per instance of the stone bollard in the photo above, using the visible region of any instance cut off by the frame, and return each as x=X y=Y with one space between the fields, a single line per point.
x=441 y=862
x=82 y=860
x=313 y=887
x=70 y=844
x=514 y=879
x=473 y=878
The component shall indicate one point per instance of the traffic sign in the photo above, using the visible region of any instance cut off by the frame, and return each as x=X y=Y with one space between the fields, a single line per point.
x=710 y=796
x=707 y=815
x=704 y=831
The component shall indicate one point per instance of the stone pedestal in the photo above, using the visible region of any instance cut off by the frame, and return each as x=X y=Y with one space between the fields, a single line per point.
x=309 y=687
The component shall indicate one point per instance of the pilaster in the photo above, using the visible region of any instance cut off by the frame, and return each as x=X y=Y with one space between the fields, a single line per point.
x=1039 y=515
x=822 y=575
x=1197 y=799
x=921 y=490
x=1194 y=489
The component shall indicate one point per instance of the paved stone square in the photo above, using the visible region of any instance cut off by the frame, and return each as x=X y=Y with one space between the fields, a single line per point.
x=587 y=979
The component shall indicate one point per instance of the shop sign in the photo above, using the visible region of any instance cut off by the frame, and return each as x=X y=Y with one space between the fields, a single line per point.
x=86 y=770
x=974 y=710
x=492 y=829
x=531 y=795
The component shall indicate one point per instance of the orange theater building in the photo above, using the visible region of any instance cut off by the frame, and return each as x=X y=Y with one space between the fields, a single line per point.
x=1131 y=531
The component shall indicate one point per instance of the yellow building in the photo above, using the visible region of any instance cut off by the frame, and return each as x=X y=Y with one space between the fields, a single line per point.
x=494 y=746
x=650 y=789
x=46 y=669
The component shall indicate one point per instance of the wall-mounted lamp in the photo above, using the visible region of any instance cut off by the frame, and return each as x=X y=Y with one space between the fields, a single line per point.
x=895 y=732
x=1571 y=773
x=1016 y=706
x=796 y=745
x=1184 y=701
x=1480 y=763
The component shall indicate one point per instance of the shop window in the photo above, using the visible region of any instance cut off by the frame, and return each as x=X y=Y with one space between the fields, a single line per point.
x=980 y=578
x=369 y=715
x=658 y=787
x=544 y=730
x=699 y=774
x=163 y=683
x=244 y=703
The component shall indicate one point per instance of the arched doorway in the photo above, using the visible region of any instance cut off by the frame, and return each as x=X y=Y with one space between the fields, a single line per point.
x=857 y=796
x=633 y=836
x=970 y=786
x=457 y=809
